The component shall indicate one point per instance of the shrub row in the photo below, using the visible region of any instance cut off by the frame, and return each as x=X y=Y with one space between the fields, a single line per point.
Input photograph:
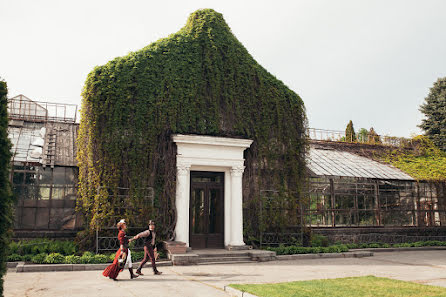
x=291 y=250
x=386 y=245
x=43 y=246
x=57 y=258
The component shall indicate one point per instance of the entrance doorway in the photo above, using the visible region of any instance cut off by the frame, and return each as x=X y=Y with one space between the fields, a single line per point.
x=206 y=211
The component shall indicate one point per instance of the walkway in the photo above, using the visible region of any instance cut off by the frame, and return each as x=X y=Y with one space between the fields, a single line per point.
x=425 y=267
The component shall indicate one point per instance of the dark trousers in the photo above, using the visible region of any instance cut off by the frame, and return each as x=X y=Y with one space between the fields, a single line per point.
x=148 y=253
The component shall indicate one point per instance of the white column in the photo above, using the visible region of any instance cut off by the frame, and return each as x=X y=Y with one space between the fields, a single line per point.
x=237 y=206
x=228 y=196
x=182 y=203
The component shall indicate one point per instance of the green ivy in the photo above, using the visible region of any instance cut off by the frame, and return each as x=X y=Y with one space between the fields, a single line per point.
x=6 y=198
x=423 y=161
x=200 y=80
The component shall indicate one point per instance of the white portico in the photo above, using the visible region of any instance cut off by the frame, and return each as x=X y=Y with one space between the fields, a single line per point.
x=220 y=156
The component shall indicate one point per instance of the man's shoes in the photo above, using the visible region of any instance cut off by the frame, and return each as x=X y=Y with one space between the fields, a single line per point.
x=138 y=272
x=156 y=272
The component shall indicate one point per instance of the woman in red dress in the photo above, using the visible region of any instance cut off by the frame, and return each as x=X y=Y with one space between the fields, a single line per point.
x=114 y=269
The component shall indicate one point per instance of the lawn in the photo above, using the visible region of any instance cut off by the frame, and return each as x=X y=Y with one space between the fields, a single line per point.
x=366 y=286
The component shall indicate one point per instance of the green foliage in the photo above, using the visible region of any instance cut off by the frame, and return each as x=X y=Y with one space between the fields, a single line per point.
x=72 y=259
x=424 y=162
x=14 y=258
x=319 y=240
x=39 y=246
x=6 y=198
x=291 y=250
x=88 y=258
x=350 y=134
x=54 y=258
x=434 y=123
x=98 y=259
x=39 y=259
x=363 y=135
x=200 y=80
x=112 y=257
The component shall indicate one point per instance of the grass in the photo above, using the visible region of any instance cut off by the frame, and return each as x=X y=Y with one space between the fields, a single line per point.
x=366 y=286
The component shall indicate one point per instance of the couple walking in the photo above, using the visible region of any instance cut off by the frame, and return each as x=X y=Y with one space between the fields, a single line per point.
x=124 y=257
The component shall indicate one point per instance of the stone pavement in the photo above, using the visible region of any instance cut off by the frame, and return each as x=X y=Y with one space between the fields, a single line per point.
x=425 y=267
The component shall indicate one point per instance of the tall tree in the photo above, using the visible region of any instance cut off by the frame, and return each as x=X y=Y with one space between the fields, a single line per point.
x=5 y=188
x=362 y=135
x=434 y=110
x=373 y=137
x=350 y=132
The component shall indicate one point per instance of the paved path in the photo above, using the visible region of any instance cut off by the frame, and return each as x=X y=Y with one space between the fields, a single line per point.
x=425 y=267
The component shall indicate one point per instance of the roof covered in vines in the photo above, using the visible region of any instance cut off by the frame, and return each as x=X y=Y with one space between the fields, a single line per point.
x=200 y=80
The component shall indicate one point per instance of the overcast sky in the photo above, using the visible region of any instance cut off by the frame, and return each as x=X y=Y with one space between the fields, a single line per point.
x=372 y=62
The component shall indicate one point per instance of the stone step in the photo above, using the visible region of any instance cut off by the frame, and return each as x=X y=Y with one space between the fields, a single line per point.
x=212 y=255
x=222 y=259
x=229 y=262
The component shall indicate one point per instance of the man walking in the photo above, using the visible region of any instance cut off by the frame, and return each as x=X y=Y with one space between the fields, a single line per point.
x=149 y=245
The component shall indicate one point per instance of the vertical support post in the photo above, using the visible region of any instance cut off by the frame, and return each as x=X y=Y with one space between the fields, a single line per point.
x=333 y=204
x=377 y=205
x=182 y=203
x=237 y=206
x=97 y=240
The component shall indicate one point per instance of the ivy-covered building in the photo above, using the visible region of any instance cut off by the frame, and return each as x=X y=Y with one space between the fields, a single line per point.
x=191 y=131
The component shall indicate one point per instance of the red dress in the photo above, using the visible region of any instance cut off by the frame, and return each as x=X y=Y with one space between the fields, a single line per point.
x=113 y=270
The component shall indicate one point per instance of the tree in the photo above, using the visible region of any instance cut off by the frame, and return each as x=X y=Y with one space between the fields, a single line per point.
x=350 y=135
x=373 y=137
x=362 y=135
x=434 y=110
x=6 y=201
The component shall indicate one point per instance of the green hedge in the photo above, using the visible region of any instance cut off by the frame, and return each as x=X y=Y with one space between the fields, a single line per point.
x=43 y=246
x=339 y=248
x=291 y=250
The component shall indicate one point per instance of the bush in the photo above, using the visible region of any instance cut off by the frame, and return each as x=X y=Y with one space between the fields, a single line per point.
x=54 y=258
x=72 y=259
x=111 y=257
x=13 y=248
x=139 y=255
x=98 y=259
x=27 y=258
x=87 y=258
x=319 y=240
x=39 y=259
x=14 y=258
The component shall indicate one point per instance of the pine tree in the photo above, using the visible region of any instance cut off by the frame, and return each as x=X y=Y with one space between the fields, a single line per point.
x=350 y=134
x=5 y=189
x=434 y=109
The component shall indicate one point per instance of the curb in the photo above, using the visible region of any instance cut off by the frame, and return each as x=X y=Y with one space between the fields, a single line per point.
x=238 y=293
x=325 y=255
x=402 y=249
x=23 y=267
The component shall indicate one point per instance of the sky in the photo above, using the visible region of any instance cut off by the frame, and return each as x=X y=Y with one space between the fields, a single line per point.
x=369 y=61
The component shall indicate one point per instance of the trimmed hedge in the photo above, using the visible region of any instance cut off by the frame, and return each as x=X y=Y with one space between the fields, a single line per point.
x=43 y=246
x=291 y=250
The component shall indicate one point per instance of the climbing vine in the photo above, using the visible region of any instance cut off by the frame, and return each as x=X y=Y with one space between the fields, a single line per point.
x=6 y=198
x=423 y=161
x=200 y=80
